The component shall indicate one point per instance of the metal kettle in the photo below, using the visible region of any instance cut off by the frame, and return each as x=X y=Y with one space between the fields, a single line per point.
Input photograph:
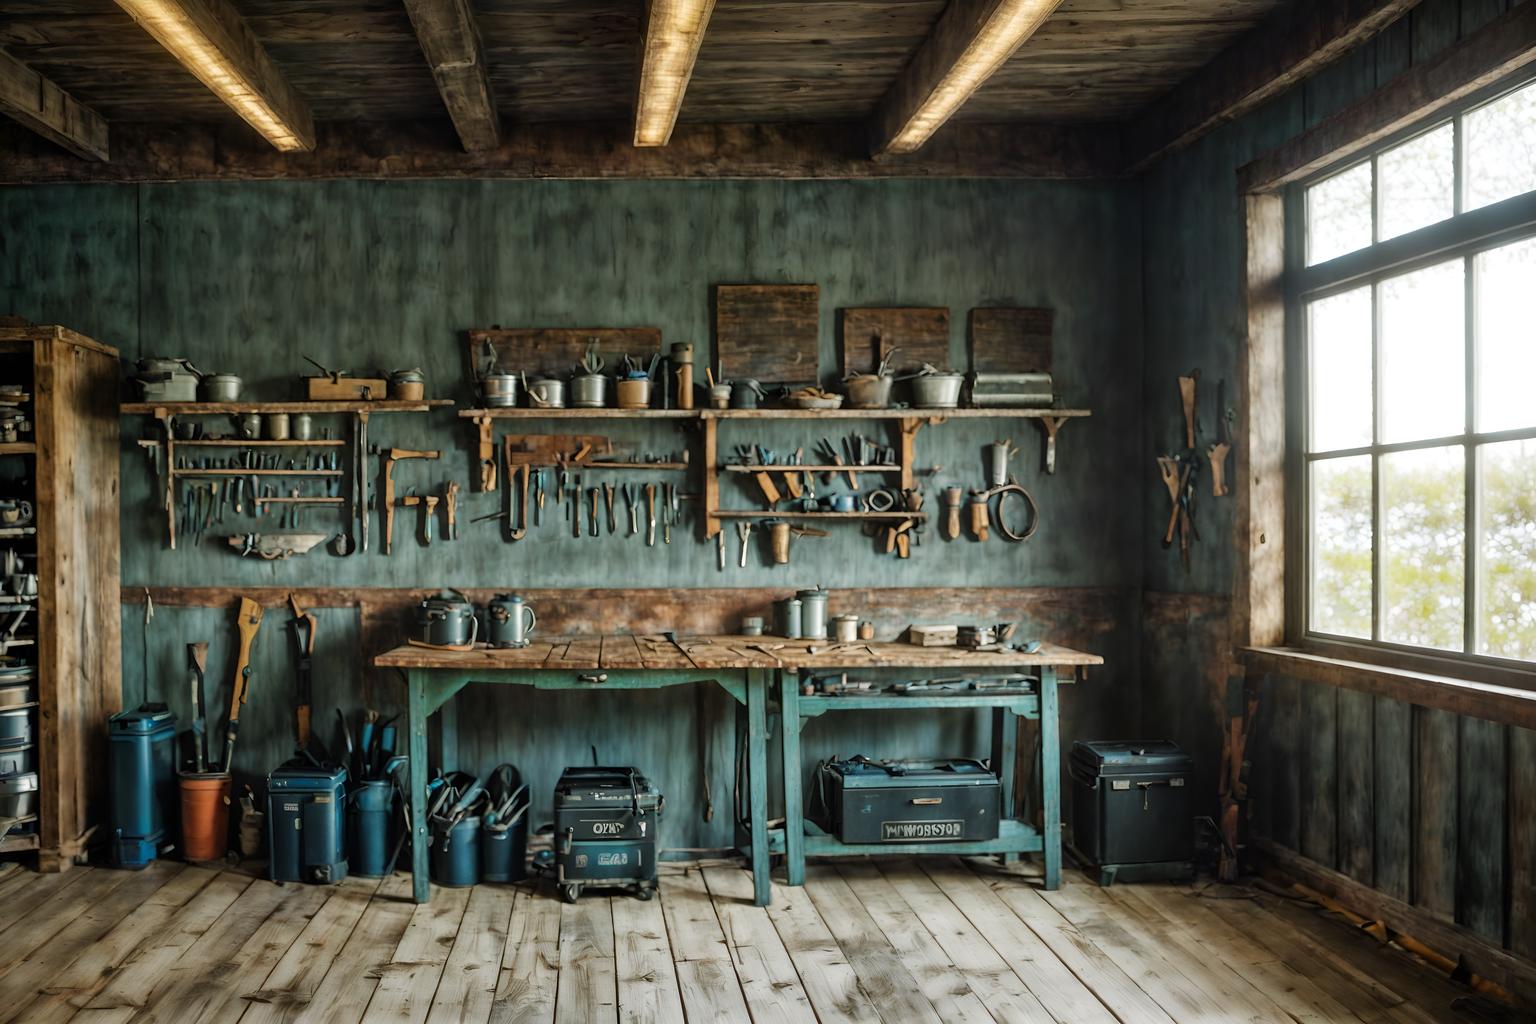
x=509 y=621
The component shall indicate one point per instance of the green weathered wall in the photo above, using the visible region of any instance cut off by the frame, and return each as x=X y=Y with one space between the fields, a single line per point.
x=247 y=277
x=1424 y=805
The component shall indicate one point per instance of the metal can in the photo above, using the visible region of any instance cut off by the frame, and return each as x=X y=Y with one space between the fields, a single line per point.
x=786 y=618
x=277 y=426
x=845 y=628
x=813 y=614
x=303 y=426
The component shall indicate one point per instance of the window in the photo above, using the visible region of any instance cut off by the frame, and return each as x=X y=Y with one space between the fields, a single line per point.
x=1416 y=302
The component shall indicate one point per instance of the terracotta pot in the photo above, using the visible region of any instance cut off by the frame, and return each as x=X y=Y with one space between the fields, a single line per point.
x=204 y=816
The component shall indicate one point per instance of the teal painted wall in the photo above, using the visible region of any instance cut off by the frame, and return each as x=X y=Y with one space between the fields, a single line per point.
x=248 y=277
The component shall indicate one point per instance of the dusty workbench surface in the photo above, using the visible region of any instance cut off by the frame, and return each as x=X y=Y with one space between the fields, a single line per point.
x=656 y=651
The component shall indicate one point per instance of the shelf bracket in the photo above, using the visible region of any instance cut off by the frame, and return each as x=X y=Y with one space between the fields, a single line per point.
x=1051 y=424
x=711 y=480
x=910 y=425
x=487 y=453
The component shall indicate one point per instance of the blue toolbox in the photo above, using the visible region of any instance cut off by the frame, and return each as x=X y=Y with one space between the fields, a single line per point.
x=142 y=782
x=605 y=830
x=915 y=800
x=306 y=822
x=1132 y=813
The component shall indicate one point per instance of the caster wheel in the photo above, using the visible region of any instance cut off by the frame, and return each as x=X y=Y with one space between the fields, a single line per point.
x=568 y=893
x=645 y=892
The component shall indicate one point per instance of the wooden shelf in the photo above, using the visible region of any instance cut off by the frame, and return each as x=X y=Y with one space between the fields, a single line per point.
x=237 y=471
x=674 y=467
x=736 y=467
x=231 y=408
x=768 y=414
x=17 y=531
x=204 y=442
x=18 y=844
x=579 y=414
x=18 y=448
x=879 y=517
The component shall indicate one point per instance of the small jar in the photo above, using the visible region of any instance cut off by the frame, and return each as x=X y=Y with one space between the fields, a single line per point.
x=277 y=426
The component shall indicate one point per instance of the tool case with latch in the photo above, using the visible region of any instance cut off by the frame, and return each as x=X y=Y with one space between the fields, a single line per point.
x=306 y=823
x=1131 y=814
x=915 y=800
x=605 y=830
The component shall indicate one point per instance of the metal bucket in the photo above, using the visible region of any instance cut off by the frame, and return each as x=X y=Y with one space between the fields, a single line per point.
x=373 y=827
x=589 y=391
x=504 y=853
x=456 y=854
x=937 y=390
x=499 y=390
x=635 y=394
x=221 y=387
x=869 y=391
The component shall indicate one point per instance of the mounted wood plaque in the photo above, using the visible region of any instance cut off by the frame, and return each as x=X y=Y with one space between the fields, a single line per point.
x=556 y=351
x=768 y=332
x=920 y=333
x=1011 y=340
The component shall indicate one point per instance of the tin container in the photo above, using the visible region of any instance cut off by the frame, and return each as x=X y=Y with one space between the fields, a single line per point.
x=18 y=795
x=786 y=618
x=869 y=391
x=167 y=380
x=745 y=393
x=15 y=760
x=221 y=387
x=303 y=427
x=752 y=625
x=813 y=614
x=499 y=390
x=720 y=396
x=547 y=393
x=447 y=620
x=937 y=390
x=634 y=393
x=277 y=426
x=589 y=391
x=16 y=727
x=408 y=385
x=509 y=621
x=845 y=628
x=249 y=426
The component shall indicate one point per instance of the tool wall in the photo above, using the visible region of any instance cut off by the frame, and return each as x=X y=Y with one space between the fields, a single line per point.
x=251 y=277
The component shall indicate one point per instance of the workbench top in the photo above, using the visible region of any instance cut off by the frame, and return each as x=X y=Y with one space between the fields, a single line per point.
x=655 y=651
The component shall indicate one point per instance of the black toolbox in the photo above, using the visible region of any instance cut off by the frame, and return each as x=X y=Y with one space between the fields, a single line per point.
x=605 y=830
x=1131 y=806
x=932 y=800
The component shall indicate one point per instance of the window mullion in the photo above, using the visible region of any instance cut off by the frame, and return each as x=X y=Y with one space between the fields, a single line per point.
x=1472 y=542
x=1376 y=509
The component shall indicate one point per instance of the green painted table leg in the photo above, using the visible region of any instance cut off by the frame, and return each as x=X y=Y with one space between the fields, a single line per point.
x=1050 y=775
x=1005 y=761
x=794 y=787
x=757 y=780
x=418 y=710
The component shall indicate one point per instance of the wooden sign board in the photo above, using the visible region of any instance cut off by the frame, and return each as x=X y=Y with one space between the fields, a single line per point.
x=1010 y=340
x=918 y=334
x=768 y=332
x=556 y=351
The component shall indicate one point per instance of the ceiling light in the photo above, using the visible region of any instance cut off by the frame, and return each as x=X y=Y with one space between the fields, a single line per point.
x=176 y=30
x=1012 y=22
x=674 y=29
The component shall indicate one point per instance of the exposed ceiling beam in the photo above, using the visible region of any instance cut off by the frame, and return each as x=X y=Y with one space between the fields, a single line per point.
x=1498 y=49
x=584 y=151
x=1286 y=47
x=973 y=38
x=211 y=40
x=451 y=42
x=673 y=31
x=50 y=111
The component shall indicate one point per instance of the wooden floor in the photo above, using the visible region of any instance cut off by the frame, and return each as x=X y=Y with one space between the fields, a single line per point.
x=895 y=940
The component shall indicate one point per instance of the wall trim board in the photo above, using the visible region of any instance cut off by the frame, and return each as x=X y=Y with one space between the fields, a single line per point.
x=1501 y=704
x=1515 y=974
x=404 y=150
x=1499 y=48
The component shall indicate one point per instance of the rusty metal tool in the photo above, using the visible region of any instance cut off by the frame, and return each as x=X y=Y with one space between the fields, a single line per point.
x=592 y=513
x=632 y=501
x=668 y=511
x=650 y=515
x=390 y=456
x=608 y=493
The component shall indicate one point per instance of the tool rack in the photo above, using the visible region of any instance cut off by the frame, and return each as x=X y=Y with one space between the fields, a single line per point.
x=910 y=421
x=360 y=411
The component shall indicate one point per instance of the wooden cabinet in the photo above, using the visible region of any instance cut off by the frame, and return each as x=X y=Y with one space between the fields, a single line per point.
x=71 y=467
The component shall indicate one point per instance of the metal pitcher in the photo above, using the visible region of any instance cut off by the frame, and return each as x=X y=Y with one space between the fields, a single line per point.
x=510 y=620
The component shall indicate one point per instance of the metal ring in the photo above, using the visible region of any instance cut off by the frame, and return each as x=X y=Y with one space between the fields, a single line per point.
x=882 y=500
x=997 y=517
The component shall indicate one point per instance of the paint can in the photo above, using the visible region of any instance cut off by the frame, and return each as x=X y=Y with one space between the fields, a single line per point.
x=845 y=628
x=589 y=391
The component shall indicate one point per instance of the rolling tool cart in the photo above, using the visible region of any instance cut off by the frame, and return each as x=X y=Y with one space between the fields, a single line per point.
x=1131 y=815
x=605 y=830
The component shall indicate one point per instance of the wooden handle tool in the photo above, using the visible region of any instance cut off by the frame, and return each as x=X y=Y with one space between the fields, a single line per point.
x=951 y=522
x=240 y=691
x=451 y=501
x=1218 y=455
x=1187 y=396
x=979 y=517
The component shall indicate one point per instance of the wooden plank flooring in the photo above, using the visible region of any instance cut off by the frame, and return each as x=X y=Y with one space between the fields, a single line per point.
x=894 y=940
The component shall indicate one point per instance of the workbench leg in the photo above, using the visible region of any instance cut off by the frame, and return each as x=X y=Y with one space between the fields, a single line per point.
x=1005 y=762
x=794 y=787
x=417 y=713
x=1050 y=775
x=757 y=780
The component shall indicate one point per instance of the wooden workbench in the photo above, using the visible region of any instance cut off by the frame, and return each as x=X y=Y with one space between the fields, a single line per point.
x=747 y=668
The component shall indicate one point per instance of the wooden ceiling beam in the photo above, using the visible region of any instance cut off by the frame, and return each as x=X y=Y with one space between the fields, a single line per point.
x=211 y=40
x=451 y=42
x=674 y=30
x=972 y=39
x=1286 y=47
x=584 y=151
x=49 y=111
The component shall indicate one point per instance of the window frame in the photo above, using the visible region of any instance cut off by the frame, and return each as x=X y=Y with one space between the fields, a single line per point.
x=1462 y=236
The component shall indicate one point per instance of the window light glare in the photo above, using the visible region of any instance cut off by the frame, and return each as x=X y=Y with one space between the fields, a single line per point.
x=673 y=35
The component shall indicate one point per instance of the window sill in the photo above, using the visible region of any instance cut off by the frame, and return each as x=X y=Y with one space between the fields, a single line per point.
x=1504 y=704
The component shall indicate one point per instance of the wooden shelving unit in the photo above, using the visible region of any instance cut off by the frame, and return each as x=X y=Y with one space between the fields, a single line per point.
x=910 y=421
x=359 y=411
